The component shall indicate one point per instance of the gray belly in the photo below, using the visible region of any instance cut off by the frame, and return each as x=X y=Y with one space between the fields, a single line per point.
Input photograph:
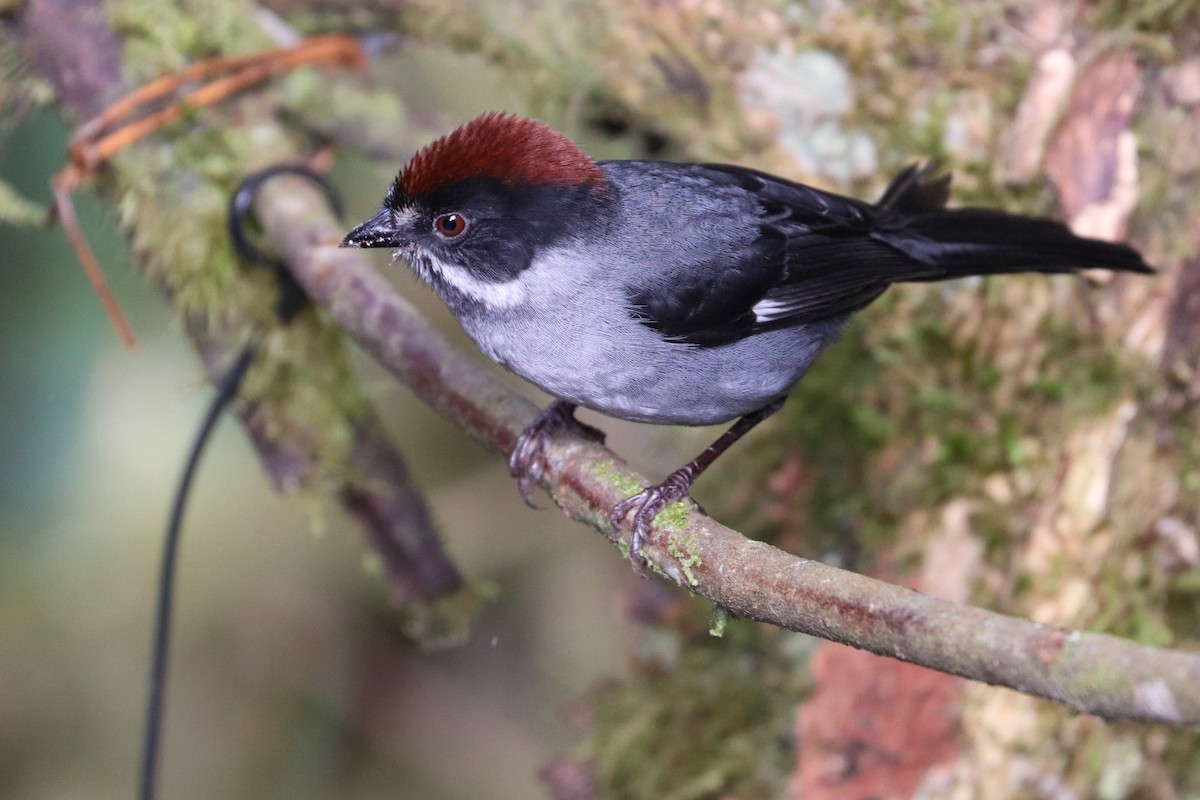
x=638 y=376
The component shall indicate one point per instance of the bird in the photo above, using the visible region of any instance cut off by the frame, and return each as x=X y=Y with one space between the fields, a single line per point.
x=674 y=293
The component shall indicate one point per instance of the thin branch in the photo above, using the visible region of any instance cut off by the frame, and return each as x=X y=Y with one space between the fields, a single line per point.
x=1092 y=673
x=378 y=493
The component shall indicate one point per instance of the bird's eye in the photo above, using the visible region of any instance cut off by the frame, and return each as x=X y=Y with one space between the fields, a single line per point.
x=450 y=225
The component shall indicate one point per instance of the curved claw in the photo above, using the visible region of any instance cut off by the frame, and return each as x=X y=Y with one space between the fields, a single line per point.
x=527 y=463
x=648 y=503
x=527 y=481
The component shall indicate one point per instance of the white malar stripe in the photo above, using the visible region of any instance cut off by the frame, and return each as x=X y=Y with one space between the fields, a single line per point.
x=508 y=294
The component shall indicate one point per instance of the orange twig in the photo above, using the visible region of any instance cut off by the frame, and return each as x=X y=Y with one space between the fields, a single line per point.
x=134 y=117
x=65 y=210
x=94 y=142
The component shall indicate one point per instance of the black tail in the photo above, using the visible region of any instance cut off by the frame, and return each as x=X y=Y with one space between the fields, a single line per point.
x=961 y=242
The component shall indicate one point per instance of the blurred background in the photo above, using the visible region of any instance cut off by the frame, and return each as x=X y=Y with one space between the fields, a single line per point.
x=974 y=439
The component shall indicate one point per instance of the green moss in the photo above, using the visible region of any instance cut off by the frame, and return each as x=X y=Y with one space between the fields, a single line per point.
x=1187 y=582
x=21 y=89
x=620 y=481
x=446 y=620
x=16 y=210
x=623 y=548
x=683 y=549
x=832 y=421
x=716 y=724
x=162 y=37
x=674 y=517
x=720 y=621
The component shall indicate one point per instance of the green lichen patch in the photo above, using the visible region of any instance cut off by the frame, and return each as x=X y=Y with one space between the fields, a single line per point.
x=682 y=547
x=619 y=480
x=445 y=621
x=720 y=621
x=674 y=517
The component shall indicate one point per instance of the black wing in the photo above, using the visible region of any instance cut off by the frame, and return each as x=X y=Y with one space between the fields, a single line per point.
x=822 y=255
x=713 y=304
x=814 y=258
x=843 y=253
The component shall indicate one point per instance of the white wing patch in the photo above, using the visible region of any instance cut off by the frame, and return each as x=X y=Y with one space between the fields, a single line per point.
x=767 y=310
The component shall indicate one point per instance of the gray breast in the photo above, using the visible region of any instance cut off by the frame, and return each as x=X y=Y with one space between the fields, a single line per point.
x=583 y=346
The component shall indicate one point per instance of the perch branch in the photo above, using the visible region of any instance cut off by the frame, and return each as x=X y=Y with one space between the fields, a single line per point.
x=1092 y=673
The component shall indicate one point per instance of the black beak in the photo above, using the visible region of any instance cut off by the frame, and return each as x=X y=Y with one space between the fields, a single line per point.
x=378 y=231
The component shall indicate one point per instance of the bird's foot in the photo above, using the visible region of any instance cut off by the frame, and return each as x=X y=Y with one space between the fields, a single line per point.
x=528 y=460
x=645 y=506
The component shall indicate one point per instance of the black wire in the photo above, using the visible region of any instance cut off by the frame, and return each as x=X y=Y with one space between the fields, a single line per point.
x=243 y=201
x=291 y=295
x=291 y=299
x=226 y=391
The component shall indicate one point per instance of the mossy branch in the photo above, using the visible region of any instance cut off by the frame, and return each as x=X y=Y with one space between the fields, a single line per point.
x=309 y=423
x=1092 y=673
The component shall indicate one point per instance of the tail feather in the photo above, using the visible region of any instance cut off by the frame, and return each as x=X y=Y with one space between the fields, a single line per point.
x=961 y=242
x=918 y=189
x=838 y=254
x=966 y=242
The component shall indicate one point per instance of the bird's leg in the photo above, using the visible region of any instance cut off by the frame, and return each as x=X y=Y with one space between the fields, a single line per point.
x=528 y=460
x=654 y=499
